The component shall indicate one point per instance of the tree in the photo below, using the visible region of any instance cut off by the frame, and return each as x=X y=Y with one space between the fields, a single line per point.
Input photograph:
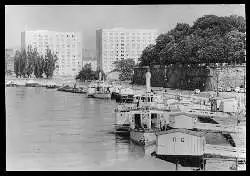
x=149 y=56
x=49 y=63
x=236 y=42
x=17 y=63
x=86 y=73
x=38 y=65
x=210 y=40
x=125 y=67
x=30 y=61
x=23 y=62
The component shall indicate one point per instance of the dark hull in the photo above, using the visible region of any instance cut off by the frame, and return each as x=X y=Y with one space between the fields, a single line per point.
x=72 y=91
x=31 y=85
x=184 y=160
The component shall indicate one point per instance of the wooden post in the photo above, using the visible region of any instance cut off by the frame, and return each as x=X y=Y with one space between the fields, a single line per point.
x=204 y=163
x=177 y=162
x=236 y=159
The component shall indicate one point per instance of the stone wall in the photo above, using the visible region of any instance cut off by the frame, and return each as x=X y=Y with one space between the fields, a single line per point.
x=190 y=78
x=228 y=76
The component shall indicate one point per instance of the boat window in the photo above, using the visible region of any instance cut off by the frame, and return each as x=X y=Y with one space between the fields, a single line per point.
x=148 y=99
x=153 y=120
x=182 y=139
x=138 y=121
x=142 y=99
x=174 y=139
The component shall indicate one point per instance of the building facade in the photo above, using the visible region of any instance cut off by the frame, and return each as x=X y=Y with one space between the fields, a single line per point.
x=118 y=43
x=66 y=45
x=9 y=60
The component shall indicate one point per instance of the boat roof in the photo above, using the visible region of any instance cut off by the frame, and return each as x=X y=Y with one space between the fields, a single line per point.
x=182 y=130
x=182 y=113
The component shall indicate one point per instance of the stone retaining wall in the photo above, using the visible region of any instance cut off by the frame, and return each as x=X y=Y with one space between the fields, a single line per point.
x=190 y=78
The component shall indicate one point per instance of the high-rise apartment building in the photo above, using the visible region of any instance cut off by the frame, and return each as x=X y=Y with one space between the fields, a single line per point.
x=118 y=43
x=66 y=45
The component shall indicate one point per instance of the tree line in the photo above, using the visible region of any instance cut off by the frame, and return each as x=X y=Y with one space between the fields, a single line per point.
x=124 y=66
x=211 y=39
x=29 y=61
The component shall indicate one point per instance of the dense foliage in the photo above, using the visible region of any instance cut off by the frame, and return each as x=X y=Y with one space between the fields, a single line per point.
x=210 y=40
x=125 y=67
x=28 y=62
x=88 y=74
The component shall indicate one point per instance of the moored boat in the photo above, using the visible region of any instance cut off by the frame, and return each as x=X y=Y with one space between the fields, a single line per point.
x=31 y=83
x=11 y=84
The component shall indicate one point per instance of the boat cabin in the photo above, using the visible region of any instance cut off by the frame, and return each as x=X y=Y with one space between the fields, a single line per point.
x=149 y=120
x=219 y=104
x=180 y=142
x=182 y=120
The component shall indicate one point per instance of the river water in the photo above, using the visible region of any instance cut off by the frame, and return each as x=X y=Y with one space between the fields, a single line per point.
x=51 y=130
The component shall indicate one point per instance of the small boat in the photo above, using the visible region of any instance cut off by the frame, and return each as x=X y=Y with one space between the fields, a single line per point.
x=79 y=90
x=102 y=91
x=66 y=88
x=11 y=84
x=31 y=83
x=51 y=86
x=99 y=89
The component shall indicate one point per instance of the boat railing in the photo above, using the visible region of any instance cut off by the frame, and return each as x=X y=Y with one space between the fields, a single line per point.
x=133 y=106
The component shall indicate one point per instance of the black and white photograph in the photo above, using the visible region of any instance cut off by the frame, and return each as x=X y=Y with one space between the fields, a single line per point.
x=157 y=87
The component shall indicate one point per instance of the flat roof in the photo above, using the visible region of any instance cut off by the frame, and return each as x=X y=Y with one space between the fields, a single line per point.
x=182 y=130
x=183 y=113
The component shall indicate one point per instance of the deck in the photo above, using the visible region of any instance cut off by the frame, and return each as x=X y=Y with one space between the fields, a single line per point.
x=220 y=128
x=231 y=152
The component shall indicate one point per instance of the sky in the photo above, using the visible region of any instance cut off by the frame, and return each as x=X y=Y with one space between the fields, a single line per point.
x=87 y=18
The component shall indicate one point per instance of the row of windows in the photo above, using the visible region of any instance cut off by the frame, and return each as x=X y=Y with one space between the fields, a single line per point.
x=127 y=33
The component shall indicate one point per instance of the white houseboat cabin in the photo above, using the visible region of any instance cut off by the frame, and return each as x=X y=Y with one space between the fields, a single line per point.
x=180 y=142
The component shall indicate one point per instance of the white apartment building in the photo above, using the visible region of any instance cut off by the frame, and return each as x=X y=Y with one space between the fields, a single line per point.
x=66 y=45
x=118 y=43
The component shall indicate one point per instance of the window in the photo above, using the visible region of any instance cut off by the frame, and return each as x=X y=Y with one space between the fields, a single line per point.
x=174 y=139
x=182 y=139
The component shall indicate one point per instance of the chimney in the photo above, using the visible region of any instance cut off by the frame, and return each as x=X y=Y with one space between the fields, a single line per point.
x=148 y=78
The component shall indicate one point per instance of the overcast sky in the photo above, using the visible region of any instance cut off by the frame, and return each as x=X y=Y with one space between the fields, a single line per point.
x=86 y=19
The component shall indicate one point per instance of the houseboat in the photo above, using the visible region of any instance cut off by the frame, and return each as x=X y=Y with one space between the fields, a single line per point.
x=182 y=146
